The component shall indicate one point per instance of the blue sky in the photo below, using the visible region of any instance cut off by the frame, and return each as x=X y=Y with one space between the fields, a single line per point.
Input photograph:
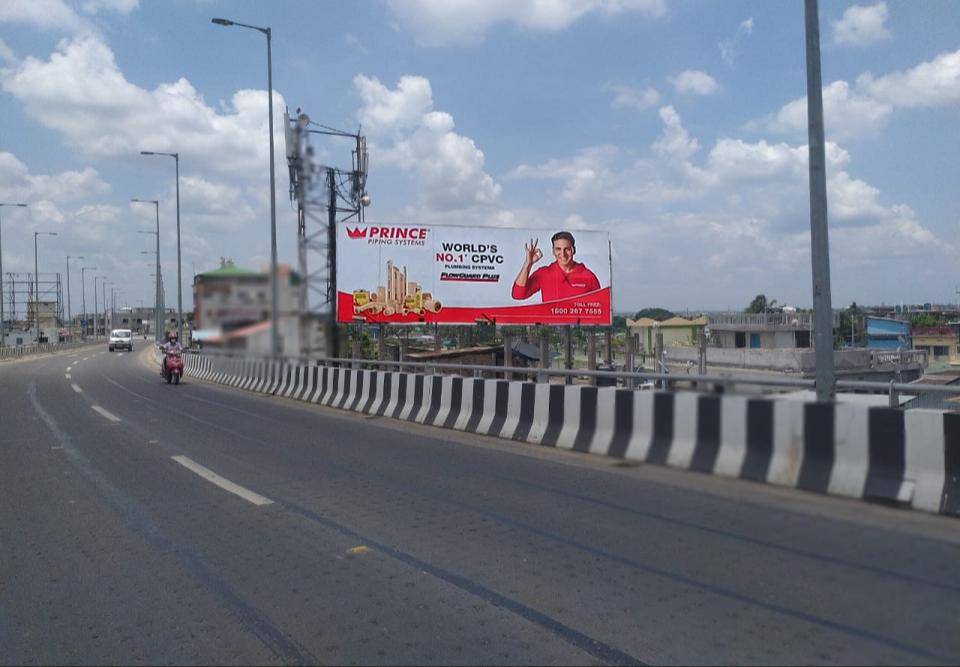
x=676 y=125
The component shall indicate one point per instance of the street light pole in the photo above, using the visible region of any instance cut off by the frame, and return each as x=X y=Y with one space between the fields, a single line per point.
x=96 y=310
x=819 y=234
x=36 y=281
x=103 y=288
x=83 y=290
x=176 y=159
x=274 y=330
x=69 y=308
x=157 y=314
x=3 y=329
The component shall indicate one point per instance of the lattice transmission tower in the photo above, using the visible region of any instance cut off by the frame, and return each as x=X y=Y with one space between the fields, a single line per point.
x=325 y=196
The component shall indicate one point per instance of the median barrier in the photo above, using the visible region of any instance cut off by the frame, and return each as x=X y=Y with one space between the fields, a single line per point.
x=20 y=351
x=910 y=458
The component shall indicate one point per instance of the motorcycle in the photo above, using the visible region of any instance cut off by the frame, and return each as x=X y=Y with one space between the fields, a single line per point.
x=173 y=367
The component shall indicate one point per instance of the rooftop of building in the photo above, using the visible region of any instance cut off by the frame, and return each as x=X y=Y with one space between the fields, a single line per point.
x=229 y=270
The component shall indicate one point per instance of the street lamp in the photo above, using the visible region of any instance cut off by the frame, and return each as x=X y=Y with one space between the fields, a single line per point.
x=103 y=288
x=156 y=204
x=83 y=290
x=3 y=335
x=96 y=312
x=36 y=281
x=69 y=309
x=274 y=331
x=176 y=158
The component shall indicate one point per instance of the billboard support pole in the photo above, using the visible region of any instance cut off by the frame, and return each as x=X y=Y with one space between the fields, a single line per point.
x=332 y=339
x=592 y=353
x=381 y=341
x=507 y=353
x=568 y=352
x=545 y=348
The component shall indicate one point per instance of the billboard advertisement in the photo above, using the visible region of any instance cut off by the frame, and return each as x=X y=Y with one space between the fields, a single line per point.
x=410 y=274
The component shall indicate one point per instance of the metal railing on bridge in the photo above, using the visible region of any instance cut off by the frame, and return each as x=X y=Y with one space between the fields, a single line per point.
x=942 y=397
x=17 y=351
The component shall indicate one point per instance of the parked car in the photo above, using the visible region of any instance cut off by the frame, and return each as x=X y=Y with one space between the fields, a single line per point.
x=121 y=339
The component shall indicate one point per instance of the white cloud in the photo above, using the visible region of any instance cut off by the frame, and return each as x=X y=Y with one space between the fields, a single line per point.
x=416 y=138
x=935 y=83
x=466 y=21
x=19 y=185
x=742 y=214
x=81 y=92
x=861 y=25
x=43 y=14
x=116 y=6
x=6 y=54
x=627 y=97
x=728 y=47
x=353 y=41
x=694 y=81
x=213 y=206
x=387 y=111
x=675 y=143
x=866 y=107
x=846 y=113
x=587 y=175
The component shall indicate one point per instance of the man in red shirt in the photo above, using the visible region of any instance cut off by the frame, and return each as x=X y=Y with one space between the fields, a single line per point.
x=559 y=280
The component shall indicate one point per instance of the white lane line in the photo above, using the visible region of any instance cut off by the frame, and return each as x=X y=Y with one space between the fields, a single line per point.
x=224 y=484
x=68 y=368
x=68 y=376
x=77 y=389
x=109 y=415
x=120 y=355
x=85 y=358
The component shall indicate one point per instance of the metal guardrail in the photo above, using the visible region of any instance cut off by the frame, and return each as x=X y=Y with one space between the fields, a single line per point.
x=18 y=351
x=628 y=379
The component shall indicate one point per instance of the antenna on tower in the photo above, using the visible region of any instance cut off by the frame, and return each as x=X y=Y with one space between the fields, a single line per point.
x=325 y=197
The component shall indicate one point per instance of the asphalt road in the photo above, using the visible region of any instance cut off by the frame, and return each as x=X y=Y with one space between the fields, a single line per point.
x=334 y=538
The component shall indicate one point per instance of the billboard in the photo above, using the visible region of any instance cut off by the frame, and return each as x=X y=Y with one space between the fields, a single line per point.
x=410 y=274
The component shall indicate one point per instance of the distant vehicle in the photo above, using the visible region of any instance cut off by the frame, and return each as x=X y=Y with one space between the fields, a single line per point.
x=121 y=339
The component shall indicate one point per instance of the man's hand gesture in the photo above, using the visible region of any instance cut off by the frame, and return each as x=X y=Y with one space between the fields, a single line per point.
x=534 y=254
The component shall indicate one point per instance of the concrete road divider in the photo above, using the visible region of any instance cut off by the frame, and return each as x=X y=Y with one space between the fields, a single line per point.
x=911 y=457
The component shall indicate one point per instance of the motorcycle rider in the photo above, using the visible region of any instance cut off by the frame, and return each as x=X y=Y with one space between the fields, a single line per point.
x=172 y=345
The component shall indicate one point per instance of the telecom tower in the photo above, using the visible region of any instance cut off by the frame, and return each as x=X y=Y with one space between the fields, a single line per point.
x=325 y=197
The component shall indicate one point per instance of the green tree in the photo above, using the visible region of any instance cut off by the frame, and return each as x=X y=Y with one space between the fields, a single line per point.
x=924 y=320
x=761 y=305
x=850 y=325
x=658 y=314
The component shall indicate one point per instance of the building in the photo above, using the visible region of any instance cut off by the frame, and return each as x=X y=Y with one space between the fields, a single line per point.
x=677 y=331
x=770 y=331
x=232 y=307
x=887 y=334
x=940 y=343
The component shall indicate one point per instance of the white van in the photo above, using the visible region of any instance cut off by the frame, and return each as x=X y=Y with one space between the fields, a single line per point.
x=122 y=339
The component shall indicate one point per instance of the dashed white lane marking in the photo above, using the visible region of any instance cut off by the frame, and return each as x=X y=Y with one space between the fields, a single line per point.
x=85 y=358
x=120 y=355
x=105 y=413
x=77 y=389
x=224 y=484
x=68 y=368
x=68 y=376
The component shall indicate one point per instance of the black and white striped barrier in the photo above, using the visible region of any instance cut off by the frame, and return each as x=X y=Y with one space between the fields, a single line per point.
x=910 y=457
